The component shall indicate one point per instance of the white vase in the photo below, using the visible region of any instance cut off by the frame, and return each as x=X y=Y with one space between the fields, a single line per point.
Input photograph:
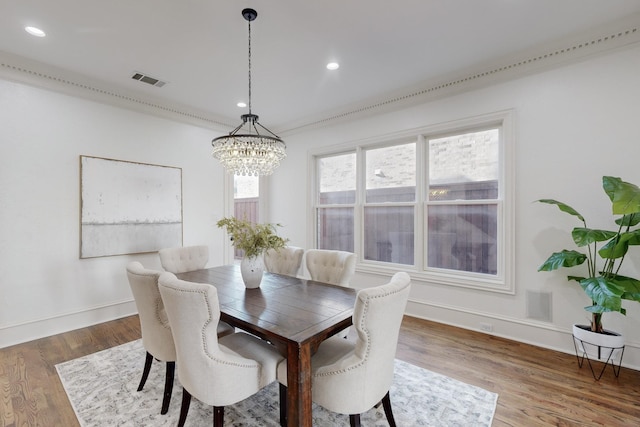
x=606 y=346
x=251 y=270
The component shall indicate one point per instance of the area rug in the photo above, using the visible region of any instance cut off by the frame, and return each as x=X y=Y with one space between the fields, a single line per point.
x=102 y=390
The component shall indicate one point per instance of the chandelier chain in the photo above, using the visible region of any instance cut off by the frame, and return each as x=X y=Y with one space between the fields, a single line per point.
x=249 y=67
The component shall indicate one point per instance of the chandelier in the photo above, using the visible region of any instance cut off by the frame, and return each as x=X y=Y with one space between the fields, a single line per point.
x=246 y=151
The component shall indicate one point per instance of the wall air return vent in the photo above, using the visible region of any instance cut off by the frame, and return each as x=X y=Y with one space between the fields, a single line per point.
x=539 y=305
x=148 y=79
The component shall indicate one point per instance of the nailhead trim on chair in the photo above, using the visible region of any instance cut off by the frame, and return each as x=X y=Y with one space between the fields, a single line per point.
x=159 y=305
x=158 y=310
x=203 y=334
x=368 y=341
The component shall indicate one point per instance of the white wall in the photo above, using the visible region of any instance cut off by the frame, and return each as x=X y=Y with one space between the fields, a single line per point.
x=573 y=125
x=44 y=287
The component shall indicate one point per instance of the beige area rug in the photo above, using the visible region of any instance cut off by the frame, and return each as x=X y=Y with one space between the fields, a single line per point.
x=102 y=390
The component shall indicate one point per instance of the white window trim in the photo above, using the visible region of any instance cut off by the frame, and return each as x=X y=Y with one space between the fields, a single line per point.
x=504 y=281
x=263 y=208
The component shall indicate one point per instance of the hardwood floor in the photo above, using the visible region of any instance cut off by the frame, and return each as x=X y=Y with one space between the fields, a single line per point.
x=30 y=391
x=536 y=387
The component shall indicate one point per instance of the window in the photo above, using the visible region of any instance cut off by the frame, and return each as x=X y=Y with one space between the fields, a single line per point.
x=336 y=202
x=389 y=208
x=462 y=202
x=434 y=202
x=246 y=201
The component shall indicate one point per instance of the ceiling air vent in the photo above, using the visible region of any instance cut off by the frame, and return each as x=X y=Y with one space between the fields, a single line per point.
x=147 y=79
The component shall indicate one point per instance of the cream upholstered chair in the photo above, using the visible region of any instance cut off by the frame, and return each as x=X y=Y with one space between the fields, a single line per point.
x=157 y=339
x=285 y=260
x=335 y=267
x=352 y=377
x=186 y=258
x=189 y=258
x=217 y=372
x=330 y=266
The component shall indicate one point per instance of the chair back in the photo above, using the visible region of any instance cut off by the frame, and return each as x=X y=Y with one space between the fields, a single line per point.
x=212 y=373
x=358 y=380
x=186 y=258
x=335 y=267
x=157 y=338
x=285 y=260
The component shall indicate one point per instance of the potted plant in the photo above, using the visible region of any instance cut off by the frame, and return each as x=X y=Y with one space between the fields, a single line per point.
x=602 y=283
x=254 y=240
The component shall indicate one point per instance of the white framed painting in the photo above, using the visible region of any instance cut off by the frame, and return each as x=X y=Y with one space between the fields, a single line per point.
x=128 y=207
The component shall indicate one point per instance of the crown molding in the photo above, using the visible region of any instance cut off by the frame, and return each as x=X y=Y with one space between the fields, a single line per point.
x=619 y=35
x=22 y=70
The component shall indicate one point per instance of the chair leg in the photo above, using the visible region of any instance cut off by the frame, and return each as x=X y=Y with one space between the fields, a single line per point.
x=218 y=416
x=145 y=372
x=386 y=404
x=168 y=387
x=283 y=405
x=184 y=408
x=354 y=420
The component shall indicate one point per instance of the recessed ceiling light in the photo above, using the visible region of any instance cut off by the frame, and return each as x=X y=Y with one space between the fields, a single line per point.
x=241 y=104
x=35 y=31
x=333 y=66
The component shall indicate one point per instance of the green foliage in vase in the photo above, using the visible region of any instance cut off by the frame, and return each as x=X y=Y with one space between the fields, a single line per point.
x=602 y=283
x=253 y=239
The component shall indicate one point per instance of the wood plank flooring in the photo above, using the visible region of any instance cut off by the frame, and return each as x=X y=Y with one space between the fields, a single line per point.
x=536 y=387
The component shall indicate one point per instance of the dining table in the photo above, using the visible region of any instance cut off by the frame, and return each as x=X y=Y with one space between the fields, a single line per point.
x=292 y=313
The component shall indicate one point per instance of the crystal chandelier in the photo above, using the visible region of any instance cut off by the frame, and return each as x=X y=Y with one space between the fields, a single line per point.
x=245 y=151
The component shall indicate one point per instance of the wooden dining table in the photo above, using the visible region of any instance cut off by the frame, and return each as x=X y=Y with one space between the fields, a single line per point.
x=294 y=314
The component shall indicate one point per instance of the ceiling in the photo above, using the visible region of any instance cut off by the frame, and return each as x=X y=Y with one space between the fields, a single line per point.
x=199 y=47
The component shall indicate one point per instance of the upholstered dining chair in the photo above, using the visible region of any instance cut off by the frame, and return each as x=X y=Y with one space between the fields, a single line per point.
x=335 y=267
x=352 y=377
x=189 y=258
x=185 y=258
x=217 y=372
x=157 y=339
x=285 y=260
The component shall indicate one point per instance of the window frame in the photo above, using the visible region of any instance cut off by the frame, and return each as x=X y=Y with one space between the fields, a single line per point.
x=316 y=197
x=361 y=198
x=228 y=252
x=503 y=280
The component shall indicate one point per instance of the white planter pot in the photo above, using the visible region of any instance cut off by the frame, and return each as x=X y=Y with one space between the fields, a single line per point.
x=605 y=347
x=251 y=270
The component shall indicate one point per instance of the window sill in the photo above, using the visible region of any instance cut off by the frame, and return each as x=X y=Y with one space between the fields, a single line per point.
x=458 y=279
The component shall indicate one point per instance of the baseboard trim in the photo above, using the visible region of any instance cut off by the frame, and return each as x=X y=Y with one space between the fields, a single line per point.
x=39 y=328
x=532 y=332
x=529 y=332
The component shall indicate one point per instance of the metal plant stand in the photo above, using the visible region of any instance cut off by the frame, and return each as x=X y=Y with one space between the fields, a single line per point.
x=610 y=353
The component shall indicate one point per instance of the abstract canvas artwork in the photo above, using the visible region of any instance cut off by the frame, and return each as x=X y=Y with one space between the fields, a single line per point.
x=128 y=207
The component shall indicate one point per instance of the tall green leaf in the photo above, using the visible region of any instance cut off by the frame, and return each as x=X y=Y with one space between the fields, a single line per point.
x=629 y=220
x=563 y=207
x=603 y=292
x=563 y=259
x=601 y=309
x=618 y=247
x=630 y=285
x=615 y=248
x=625 y=197
x=587 y=236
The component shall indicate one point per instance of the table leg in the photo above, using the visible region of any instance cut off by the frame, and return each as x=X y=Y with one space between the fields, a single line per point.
x=299 y=385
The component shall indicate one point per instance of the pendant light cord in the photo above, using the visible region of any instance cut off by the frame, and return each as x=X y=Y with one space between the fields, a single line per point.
x=249 y=66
